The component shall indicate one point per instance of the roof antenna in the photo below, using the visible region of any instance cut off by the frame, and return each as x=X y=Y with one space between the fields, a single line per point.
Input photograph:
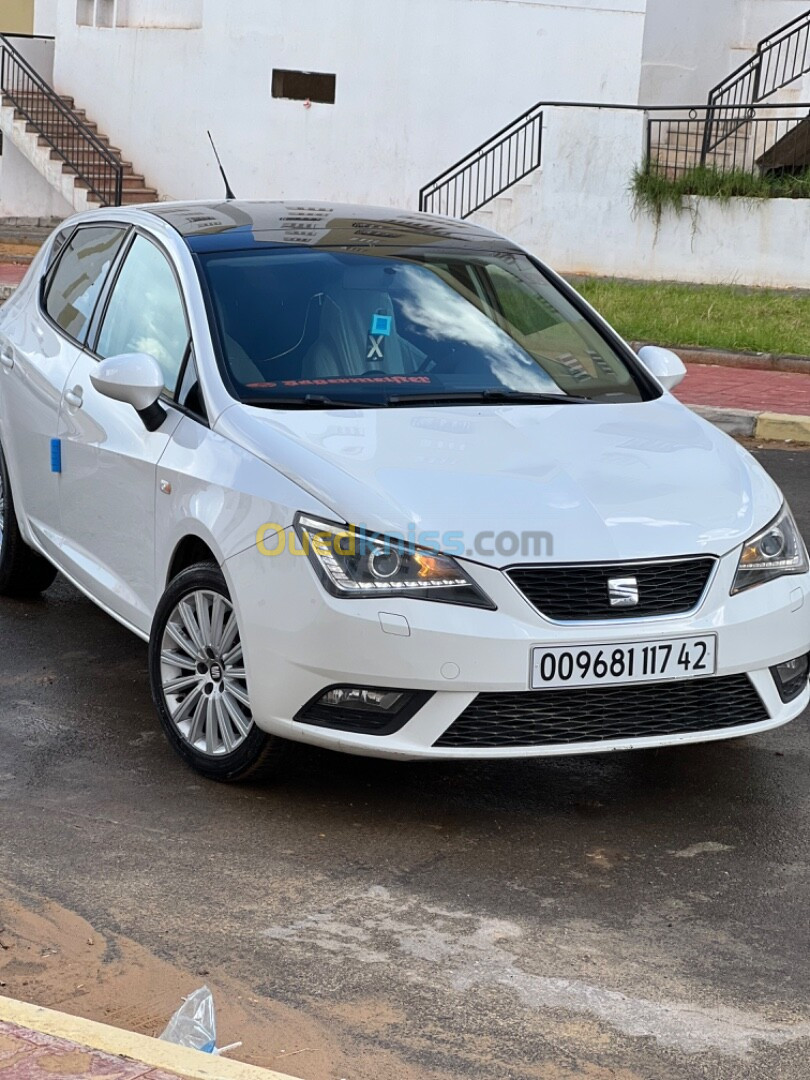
x=228 y=193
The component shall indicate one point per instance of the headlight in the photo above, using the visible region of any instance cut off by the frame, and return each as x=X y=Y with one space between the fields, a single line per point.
x=777 y=550
x=353 y=563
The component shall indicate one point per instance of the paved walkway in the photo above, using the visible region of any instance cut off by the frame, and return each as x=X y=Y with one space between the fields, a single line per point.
x=746 y=388
x=12 y=273
x=31 y=1055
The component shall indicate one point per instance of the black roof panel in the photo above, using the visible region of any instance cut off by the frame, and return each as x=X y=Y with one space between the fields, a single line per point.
x=233 y=225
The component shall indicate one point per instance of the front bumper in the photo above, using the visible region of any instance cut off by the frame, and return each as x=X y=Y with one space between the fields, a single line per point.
x=299 y=641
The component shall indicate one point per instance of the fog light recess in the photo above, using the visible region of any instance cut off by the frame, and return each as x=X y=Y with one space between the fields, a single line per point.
x=791 y=677
x=364 y=710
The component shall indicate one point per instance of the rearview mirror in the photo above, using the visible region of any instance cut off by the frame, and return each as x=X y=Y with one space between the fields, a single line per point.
x=136 y=379
x=664 y=364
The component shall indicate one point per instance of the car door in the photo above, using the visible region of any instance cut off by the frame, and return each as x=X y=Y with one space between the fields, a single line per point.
x=109 y=459
x=38 y=348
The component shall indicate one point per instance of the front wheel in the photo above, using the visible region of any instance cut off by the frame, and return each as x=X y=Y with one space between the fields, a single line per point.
x=197 y=675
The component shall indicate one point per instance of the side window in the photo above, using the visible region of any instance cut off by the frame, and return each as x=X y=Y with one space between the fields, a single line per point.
x=145 y=312
x=79 y=277
x=59 y=242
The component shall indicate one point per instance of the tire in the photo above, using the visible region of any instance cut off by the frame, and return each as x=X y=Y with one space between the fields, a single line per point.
x=22 y=571
x=197 y=677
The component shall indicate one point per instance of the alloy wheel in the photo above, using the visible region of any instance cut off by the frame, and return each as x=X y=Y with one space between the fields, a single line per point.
x=202 y=674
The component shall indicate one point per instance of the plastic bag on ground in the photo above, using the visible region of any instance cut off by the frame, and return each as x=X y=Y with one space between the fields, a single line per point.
x=194 y=1024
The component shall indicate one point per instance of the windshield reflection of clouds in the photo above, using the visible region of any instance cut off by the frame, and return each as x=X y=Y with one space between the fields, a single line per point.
x=444 y=315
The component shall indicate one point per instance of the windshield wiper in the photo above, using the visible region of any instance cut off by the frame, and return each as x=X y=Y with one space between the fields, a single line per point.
x=497 y=397
x=312 y=401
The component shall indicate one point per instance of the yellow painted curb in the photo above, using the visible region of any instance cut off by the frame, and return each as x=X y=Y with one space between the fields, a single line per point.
x=780 y=427
x=191 y=1064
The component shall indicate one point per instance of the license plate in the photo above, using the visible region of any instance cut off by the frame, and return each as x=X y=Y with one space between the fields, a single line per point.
x=632 y=662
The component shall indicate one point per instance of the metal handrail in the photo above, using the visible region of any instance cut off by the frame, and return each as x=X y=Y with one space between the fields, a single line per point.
x=489 y=170
x=756 y=79
x=68 y=136
x=460 y=167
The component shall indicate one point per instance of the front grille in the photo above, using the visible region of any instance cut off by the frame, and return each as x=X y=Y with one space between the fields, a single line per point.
x=580 y=592
x=606 y=713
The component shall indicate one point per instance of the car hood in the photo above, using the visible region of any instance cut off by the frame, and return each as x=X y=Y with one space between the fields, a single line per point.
x=629 y=481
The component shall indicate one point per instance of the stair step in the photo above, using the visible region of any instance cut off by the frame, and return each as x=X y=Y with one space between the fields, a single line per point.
x=128 y=199
x=58 y=157
x=682 y=140
x=56 y=130
x=104 y=181
x=679 y=160
x=25 y=232
x=54 y=136
x=139 y=195
x=93 y=172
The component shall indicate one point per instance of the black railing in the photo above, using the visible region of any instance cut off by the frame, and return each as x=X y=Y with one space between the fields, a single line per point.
x=780 y=60
x=94 y=164
x=488 y=171
x=762 y=139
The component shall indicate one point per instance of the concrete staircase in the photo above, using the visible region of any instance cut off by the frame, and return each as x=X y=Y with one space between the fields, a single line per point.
x=69 y=151
x=678 y=147
x=680 y=150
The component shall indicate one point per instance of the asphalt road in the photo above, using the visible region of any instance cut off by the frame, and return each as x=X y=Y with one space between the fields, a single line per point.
x=640 y=915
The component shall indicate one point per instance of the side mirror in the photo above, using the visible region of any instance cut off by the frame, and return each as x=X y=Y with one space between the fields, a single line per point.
x=664 y=364
x=136 y=379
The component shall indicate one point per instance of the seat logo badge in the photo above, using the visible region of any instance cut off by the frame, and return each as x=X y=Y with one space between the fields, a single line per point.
x=623 y=592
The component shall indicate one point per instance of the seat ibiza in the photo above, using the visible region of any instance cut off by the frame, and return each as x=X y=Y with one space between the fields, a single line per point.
x=384 y=483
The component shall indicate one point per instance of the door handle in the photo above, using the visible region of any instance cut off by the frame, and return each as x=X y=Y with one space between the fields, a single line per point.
x=7 y=357
x=74 y=397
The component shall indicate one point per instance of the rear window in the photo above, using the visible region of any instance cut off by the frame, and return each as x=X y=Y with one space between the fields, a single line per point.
x=79 y=277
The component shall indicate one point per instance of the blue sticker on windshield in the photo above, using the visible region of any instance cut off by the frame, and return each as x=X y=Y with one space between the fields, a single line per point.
x=381 y=325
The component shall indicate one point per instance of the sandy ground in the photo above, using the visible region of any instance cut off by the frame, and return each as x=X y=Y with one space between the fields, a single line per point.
x=53 y=957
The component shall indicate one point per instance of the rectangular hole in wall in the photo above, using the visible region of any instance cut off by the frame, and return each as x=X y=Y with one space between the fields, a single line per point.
x=105 y=13
x=84 y=12
x=304 y=86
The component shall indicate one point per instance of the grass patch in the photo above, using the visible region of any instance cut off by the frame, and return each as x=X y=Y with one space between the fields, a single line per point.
x=716 y=316
x=654 y=192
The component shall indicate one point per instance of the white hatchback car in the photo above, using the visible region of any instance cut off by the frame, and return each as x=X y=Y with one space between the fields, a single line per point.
x=384 y=483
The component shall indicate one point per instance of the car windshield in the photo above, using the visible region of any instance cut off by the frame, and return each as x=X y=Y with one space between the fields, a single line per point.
x=324 y=326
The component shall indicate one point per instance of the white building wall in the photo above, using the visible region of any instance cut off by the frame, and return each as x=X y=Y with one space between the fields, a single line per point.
x=687 y=49
x=691 y=45
x=419 y=83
